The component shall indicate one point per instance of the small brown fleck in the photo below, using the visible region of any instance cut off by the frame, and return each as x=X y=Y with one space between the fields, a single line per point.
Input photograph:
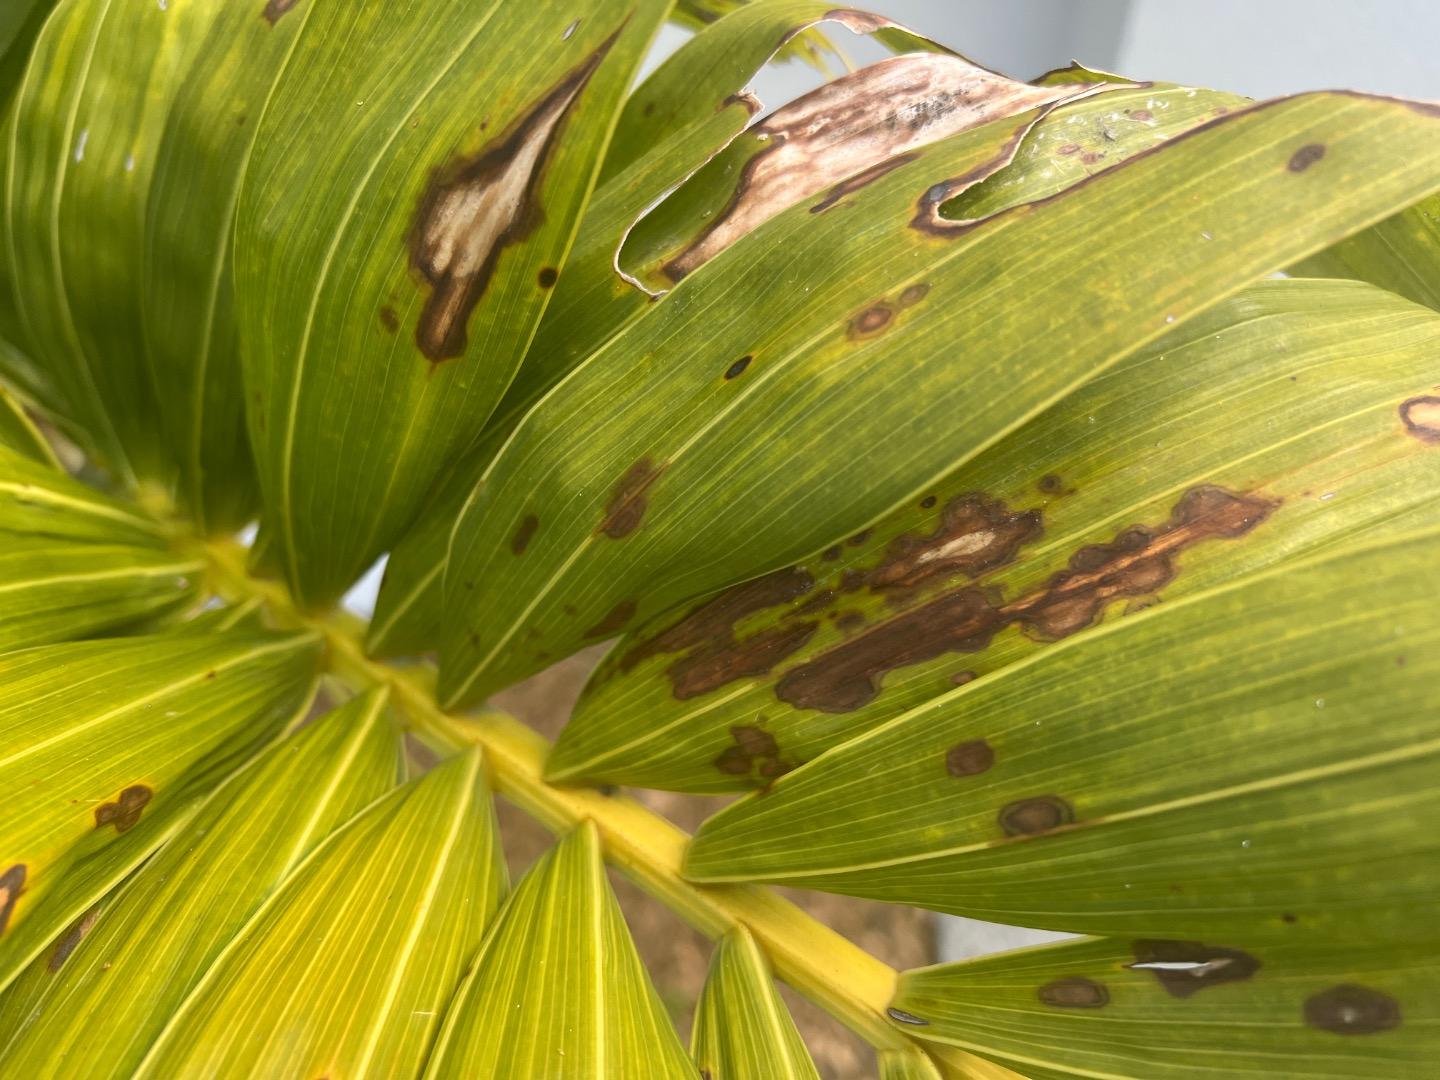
x=1074 y=992
x=1068 y=149
x=859 y=538
x=913 y=294
x=1142 y=114
x=870 y=321
x=524 y=534
x=1051 y=484
x=969 y=758
x=927 y=502
x=614 y=620
x=12 y=884
x=830 y=554
x=1091 y=157
x=389 y=320
x=274 y=9
x=849 y=620
x=547 y=277
x=1348 y=1009
x=735 y=370
x=125 y=811
x=628 y=503
x=70 y=940
x=960 y=678
x=1031 y=817
x=1289 y=917
x=1421 y=417
x=1185 y=967
x=1306 y=156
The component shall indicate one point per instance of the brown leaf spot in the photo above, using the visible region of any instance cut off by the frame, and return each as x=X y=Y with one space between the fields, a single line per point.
x=1306 y=156
x=524 y=534
x=124 y=812
x=12 y=884
x=1185 y=967
x=1421 y=417
x=614 y=620
x=1031 y=817
x=900 y=1016
x=735 y=370
x=976 y=534
x=389 y=320
x=960 y=678
x=1052 y=484
x=913 y=294
x=754 y=753
x=1074 y=992
x=475 y=207
x=1348 y=1009
x=979 y=534
x=70 y=940
x=274 y=9
x=1142 y=114
x=969 y=758
x=927 y=502
x=870 y=321
x=627 y=501
x=712 y=667
x=830 y=554
x=547 y=277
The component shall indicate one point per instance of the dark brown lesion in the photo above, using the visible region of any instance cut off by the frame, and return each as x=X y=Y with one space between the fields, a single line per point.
x=524 y=533
x=1306 y=156
x=628 y=502
x=124 y=812
x=969 y=758
x=69 y=941
x=1349 y=1009
x=753 y=753
x=870 y=321
x=1035 y=816
x=1421 y=417
x=1140 y=560
x=712 y=667
x=274 y=9
x=615 y=620
x=1184 y=968
x=475 y=207
x=12 y=884
x=389 y=320
x=1074 y=992
x=862 y=179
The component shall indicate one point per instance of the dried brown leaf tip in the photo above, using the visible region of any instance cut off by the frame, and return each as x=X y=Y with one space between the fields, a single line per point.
x=1421 y=417
x=853 y=131
x=1348 y=1009
x=1184 y=968
x=274 y=9
x=12 y=884
x=1074 y=992
x=125 y=811
x=475 y=207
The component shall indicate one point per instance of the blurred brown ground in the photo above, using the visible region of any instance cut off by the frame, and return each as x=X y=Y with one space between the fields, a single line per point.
x=676 y=955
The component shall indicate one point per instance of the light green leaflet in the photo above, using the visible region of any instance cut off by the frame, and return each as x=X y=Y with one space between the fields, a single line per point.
x=742 y=1029
x=1290 y=398
x=190 y=331
x=558 y=991
x=389 y=278
x=38 y=499
x=1401 y=253
x=1256 y=761
x=105 y=744
x=82 y=143
x=54 y=591
x=1187 y=1010
x=18 y=430
x=347 y=968
x=109 y=985
x=688 y=480
x=687 y=110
